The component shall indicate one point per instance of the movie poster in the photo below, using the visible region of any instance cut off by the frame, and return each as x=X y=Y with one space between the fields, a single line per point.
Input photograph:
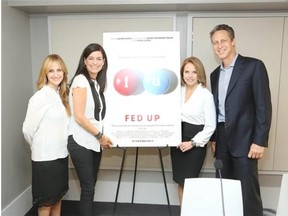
x=143 y=89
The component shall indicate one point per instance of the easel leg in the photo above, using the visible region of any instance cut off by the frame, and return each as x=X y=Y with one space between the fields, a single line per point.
x=119 y=180
x=164 y=179
x=135 y=172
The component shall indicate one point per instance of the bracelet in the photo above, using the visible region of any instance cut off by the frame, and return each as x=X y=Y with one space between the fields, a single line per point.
x=99 y=135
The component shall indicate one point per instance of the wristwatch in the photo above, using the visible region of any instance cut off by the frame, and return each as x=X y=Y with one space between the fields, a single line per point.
x=193 y=143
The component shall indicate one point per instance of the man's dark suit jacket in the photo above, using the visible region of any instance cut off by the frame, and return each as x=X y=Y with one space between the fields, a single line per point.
x=248 y=106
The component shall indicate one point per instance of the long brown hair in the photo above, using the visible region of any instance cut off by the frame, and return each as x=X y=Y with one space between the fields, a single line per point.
x=81 y=69
x=63 y=87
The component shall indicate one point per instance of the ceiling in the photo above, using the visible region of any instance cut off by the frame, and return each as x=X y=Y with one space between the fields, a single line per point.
x=41 y=8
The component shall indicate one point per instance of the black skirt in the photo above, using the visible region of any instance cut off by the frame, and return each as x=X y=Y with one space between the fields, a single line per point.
x=49 y=181
x=187 y=164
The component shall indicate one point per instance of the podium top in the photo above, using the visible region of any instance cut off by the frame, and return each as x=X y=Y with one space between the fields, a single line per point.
x=203 y=197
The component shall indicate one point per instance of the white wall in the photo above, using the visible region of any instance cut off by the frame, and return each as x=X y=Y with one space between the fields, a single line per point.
x=16 y=88
x=149 y=187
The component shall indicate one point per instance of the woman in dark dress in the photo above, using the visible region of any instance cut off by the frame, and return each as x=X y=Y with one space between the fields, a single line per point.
x=198 y=123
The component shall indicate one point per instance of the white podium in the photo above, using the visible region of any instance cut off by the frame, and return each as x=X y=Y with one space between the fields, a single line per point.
x=202 y=197
x=282 y=209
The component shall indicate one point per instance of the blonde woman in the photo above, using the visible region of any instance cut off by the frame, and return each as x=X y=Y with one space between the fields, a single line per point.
x=46 y=130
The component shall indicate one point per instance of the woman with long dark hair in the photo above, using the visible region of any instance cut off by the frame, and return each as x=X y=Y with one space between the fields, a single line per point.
x=86 y=139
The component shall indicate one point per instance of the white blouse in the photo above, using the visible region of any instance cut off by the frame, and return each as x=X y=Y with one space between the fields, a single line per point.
x=80 y=135
x=45 y=127
x=199 y=109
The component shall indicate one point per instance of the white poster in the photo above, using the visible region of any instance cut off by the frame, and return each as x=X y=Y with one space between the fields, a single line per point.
x=143 y=89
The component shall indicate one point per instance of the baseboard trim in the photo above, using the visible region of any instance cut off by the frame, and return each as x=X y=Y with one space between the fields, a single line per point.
x=20 y=204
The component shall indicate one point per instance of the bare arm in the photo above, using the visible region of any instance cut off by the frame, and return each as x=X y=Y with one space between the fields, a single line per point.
x=79 y=105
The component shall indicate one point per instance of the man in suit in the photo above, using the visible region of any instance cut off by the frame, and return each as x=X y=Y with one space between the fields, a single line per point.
x=240 y=86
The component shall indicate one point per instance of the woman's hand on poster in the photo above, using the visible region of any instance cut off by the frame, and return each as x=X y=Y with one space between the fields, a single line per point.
x=105 y=142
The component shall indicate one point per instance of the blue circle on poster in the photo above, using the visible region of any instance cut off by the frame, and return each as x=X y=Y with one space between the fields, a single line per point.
x=157 y=81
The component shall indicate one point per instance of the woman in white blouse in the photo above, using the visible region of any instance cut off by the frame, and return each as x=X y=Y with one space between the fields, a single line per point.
x=198 y=123
x=86 y=139
x=46 y=130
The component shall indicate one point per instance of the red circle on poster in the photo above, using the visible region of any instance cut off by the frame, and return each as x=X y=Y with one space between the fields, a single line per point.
x=126 y=82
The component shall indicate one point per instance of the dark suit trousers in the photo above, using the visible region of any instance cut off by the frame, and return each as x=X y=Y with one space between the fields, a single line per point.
x=243 y=169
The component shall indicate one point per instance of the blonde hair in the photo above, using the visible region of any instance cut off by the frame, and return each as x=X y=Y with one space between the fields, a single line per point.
x=199 y=69
x=63 y=87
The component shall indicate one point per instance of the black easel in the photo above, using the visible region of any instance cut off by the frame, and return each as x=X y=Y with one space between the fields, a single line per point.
x=135 y=172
